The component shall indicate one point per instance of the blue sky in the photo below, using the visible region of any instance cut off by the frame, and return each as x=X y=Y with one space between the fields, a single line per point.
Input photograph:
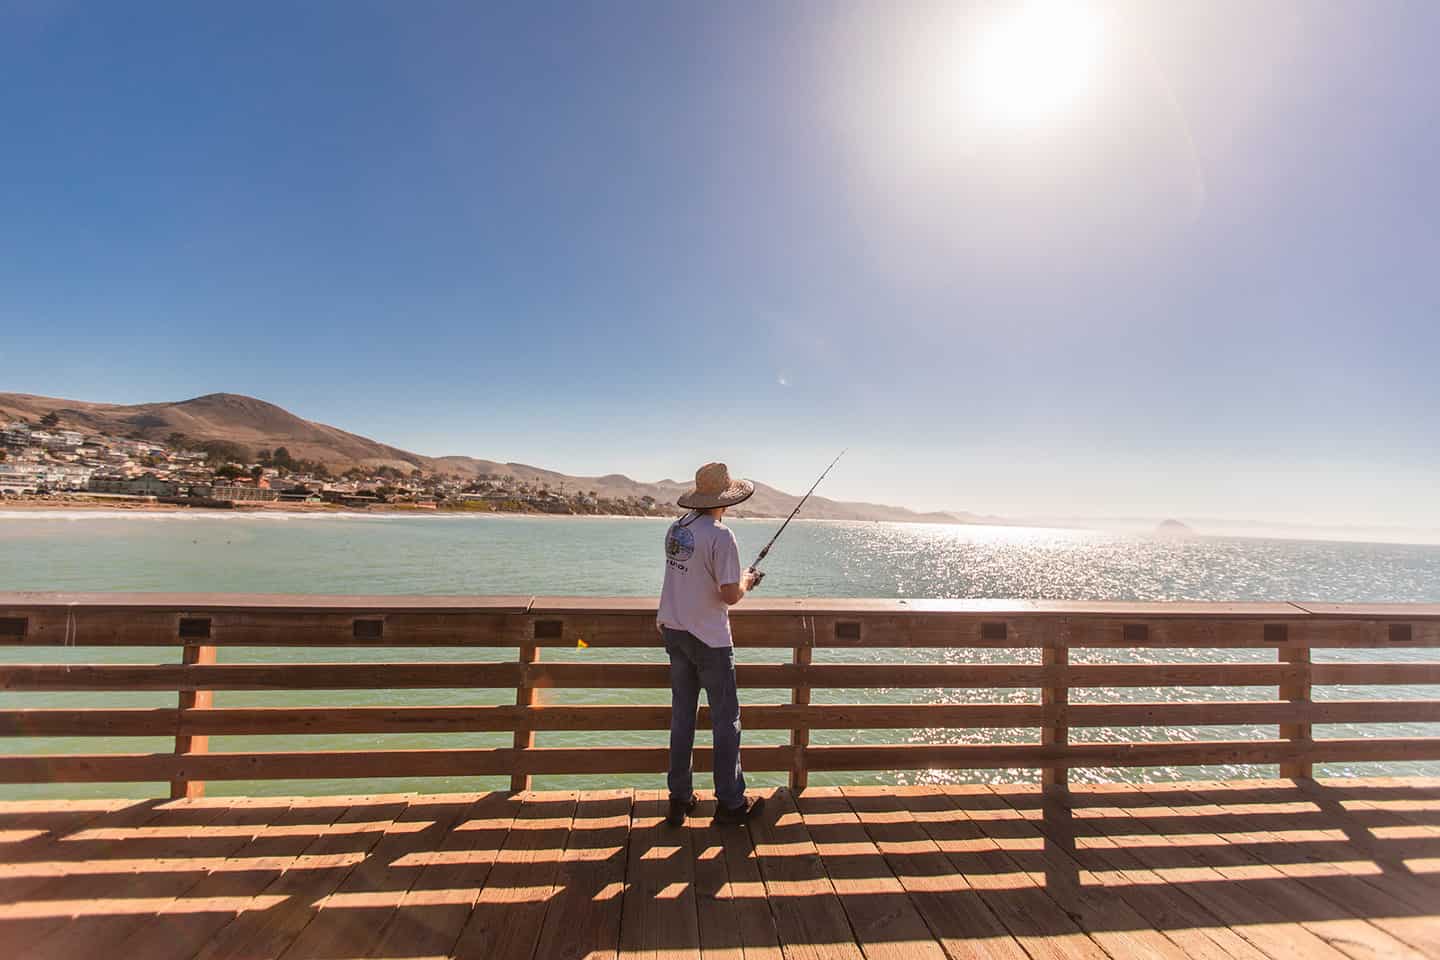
x=631 y=237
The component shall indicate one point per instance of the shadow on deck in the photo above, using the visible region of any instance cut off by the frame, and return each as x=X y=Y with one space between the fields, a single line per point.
x=1339 y=868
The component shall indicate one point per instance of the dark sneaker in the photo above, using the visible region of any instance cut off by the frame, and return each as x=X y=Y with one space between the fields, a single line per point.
x=744 y=813
x=680 y=809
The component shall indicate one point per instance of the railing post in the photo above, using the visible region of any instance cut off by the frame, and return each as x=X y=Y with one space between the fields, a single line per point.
x=524 y=736
x=186 y=743
x=1055 y=698
x=1295 y=692
x=800 y=735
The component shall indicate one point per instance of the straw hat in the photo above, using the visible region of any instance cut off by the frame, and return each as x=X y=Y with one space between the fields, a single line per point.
x=714 y=488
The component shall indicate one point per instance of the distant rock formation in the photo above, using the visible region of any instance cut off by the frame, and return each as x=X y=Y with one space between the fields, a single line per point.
x=1173 y=529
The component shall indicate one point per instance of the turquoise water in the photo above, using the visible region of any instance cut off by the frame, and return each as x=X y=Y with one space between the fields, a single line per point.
x=292 y=553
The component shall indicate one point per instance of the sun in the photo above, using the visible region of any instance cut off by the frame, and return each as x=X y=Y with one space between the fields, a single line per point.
x=1033 y=63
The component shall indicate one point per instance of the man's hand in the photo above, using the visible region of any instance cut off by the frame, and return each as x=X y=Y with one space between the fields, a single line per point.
x=751 y=579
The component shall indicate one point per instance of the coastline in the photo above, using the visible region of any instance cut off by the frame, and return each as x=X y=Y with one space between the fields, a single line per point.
x=136 y=506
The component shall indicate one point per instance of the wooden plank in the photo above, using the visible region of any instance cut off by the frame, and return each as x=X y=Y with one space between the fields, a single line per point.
x=234 y=886
x=524 y=737
x=1250 y=910
x=1037 y=922
x=660 y=919
x=1183 y=919
x=117 y=768
x=191 y=700
x=146 y=721
x=89 y=891
x=1404 y=907
x=330 y=859
x=1148 y=754
x=800 y=732
x=952 y=909
x=259 y=676
x=351 y=920
x=734 y=917
x=583 y=922
x=1373 y=611
x=640 y=606
x=431 y=914
x=19 y=886
x=1111 y=921
x=505 y=627
x=510 y=911
x=397 y=676
x=250 y=620
x=129 y=603
x=113 y=911
x=253 y=620
x=1054 y=699
x=306 y=765
x=1342 y=927
x=1296 y=691
x=1374 y=674
x=716 y=910
x=1262 y=711
x=90 y=721
x=782 y=675
x=809 y=918
x=1409 y=800
x=885 y=923
x=28 y=829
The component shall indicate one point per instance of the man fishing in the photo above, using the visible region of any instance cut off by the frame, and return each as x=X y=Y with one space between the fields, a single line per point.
x=703 y=579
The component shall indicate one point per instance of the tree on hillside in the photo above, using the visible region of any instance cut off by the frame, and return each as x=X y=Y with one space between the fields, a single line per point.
x=281 y=458
x=229 y=471
x=51 y=419
x=224 y=451
x=256 y=472
x=263 y=458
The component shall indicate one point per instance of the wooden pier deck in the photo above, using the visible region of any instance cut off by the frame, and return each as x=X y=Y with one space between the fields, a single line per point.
x=1255 y=869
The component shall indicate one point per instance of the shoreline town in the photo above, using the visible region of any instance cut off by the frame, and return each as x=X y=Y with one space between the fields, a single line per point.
x=47 y=466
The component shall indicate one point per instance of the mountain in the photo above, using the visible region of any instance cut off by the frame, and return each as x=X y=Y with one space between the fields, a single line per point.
x=259 y=425
x=218 y=416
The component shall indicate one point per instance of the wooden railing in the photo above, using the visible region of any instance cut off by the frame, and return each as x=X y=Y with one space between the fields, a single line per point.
x=202 y=626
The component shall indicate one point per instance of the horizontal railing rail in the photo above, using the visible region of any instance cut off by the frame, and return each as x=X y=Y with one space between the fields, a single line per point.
x=203 y=626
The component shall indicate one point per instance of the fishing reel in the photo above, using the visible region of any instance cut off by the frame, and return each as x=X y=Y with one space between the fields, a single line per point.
x=755 y=577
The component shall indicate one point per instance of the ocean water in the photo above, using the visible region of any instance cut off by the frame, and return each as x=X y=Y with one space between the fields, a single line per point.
x=443 y=555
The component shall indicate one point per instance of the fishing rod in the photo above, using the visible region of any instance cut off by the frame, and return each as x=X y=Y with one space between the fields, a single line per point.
x=754 y=567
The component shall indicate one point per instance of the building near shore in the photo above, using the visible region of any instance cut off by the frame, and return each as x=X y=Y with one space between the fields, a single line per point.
x=233 y=492
x=147 y=485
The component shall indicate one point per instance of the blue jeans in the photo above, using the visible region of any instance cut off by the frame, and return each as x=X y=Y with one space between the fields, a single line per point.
x=694 y=665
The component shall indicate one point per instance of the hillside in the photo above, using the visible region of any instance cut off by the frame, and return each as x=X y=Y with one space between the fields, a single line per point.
x=260 y=425
x=218 y=416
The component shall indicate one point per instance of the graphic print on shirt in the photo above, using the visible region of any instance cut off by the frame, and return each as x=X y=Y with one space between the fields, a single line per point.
x=679 y=545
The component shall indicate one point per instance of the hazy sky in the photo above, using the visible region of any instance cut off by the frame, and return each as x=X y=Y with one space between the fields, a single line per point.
x=1113 y=258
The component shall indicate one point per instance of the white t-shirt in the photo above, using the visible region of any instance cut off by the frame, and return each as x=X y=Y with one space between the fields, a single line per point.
x=700 y=555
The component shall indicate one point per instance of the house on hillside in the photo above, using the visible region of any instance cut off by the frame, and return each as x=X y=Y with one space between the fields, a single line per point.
x=15 y=434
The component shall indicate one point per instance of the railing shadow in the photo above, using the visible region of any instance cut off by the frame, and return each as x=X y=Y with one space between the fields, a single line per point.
x=1193 y=869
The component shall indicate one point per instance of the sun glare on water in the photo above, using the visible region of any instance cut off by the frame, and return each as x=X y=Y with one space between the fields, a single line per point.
x=1033 y=62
